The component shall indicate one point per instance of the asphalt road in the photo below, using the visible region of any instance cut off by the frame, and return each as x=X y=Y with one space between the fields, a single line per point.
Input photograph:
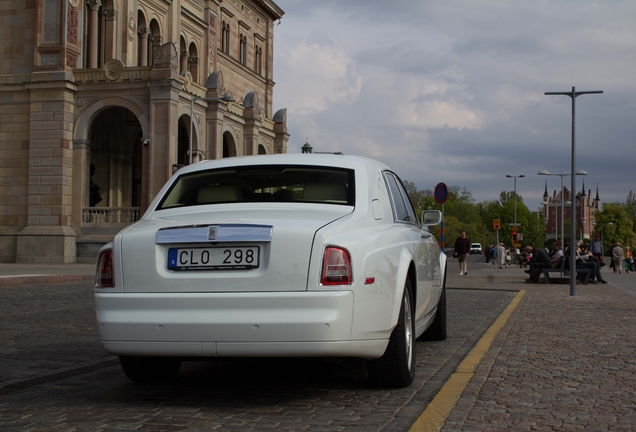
x=55 y=375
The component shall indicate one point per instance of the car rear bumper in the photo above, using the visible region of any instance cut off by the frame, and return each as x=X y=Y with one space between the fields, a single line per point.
x=298 y=324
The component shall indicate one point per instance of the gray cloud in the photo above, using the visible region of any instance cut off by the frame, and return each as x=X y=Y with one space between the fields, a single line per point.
x=454 y=91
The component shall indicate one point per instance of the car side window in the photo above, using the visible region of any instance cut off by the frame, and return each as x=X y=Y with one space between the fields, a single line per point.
x=402 y=208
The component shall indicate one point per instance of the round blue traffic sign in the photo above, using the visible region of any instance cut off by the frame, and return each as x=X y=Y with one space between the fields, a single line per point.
x=441 y=193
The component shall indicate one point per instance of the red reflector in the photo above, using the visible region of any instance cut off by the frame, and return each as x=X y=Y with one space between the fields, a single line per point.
x=336 y=267
x=105 y=278
x=369 y=281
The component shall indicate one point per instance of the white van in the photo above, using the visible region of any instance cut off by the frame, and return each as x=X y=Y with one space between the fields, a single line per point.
x=475 y=248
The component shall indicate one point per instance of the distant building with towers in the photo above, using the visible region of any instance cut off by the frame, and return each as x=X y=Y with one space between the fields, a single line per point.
x=586 y=208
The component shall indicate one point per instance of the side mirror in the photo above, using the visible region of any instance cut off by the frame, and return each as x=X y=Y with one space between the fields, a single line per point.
x=431 y=217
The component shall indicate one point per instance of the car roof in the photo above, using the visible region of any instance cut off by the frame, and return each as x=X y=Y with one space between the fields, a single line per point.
x=333 y=160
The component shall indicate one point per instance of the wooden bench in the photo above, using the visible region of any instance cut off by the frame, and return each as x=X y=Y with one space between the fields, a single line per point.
x=561 y=269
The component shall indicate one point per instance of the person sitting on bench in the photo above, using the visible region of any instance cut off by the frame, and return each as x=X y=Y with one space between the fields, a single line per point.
x=580 y=264
x=587 y=256
x=539 y=261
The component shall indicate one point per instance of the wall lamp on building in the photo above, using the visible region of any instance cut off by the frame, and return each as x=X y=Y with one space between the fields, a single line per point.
x=227 y=97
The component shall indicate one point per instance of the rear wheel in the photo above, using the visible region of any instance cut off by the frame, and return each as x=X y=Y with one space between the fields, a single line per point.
x=437 y=330
x=396 y=367
x=149 y=369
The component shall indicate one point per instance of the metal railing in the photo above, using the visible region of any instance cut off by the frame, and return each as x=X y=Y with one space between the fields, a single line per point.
x=124 y=215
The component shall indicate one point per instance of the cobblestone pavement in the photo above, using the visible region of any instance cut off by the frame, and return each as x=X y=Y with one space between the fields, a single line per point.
x=55 y=376
x=561 y=363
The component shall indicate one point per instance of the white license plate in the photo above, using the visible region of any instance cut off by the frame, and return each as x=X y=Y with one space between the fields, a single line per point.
x=214 y=258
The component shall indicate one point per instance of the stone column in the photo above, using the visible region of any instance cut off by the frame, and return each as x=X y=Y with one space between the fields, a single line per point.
x=184 y=61
x=214 y=118
x=111 y=35
x=144 y=33
x=250 y=131
x=93 y=37
x=156 y=43
x=194 y=68
x=80 y=182
x=164 y=113
x=49 y=236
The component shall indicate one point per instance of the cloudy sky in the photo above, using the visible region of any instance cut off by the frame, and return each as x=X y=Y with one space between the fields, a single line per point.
x=453 y=91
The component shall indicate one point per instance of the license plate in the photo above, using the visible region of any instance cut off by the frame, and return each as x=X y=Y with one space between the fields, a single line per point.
x=214 y=258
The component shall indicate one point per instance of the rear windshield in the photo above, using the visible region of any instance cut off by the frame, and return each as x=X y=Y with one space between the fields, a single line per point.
x=272 y=183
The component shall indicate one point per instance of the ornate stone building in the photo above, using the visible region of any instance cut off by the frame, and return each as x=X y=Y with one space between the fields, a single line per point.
x=557 y=222
x=102 y=100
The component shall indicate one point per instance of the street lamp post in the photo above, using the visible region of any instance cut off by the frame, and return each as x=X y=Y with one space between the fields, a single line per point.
x=573 y=95
x=227 y=97
x=515 y=192
x=562 y=174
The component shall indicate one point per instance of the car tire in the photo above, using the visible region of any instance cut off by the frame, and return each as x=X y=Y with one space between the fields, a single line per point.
x=437 y=330
x=149 y=369
x=396 y=367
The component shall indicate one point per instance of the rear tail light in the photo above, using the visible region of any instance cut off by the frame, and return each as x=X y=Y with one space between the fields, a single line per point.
x=105 y=272
x=336 y=267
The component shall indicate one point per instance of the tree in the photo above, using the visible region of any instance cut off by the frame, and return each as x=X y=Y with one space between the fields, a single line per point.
x=622 y=228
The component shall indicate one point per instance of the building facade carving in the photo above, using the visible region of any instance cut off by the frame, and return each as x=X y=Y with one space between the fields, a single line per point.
x=106 y=99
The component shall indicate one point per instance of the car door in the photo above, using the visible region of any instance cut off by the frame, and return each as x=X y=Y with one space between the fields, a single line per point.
x=404 y=216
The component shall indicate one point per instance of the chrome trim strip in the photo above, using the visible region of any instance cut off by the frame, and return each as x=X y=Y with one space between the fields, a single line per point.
x=225 y=233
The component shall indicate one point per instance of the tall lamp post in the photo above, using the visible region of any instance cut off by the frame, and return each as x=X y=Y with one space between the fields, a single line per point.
x=515 y=177
x=227 y=97
x=562 y=174
x=573 y=95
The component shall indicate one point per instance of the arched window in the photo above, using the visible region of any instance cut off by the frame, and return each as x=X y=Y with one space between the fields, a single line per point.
x=225 y=37
x=183 y=55
x=143 y=40
x=258 y=60
x=155 y=39
x=243 y=50
x=193 y=62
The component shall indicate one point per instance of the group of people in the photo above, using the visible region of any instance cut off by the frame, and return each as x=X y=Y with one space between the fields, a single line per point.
x=499 y=254
x=622 y=258
x=587 y=257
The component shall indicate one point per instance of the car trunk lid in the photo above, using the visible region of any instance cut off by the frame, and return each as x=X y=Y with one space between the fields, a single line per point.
x=249 y=249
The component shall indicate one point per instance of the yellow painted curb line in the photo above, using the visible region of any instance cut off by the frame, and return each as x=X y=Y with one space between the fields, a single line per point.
x=438 y=409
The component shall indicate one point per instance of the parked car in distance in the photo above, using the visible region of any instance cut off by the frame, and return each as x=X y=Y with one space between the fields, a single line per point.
x=274 y=256
x=475 y=248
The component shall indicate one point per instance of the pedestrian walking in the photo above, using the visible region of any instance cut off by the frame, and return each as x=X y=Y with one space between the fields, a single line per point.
x=501 y=254
x=462 y=249
x=618 y=256
x=596 y=247
x=629 y=259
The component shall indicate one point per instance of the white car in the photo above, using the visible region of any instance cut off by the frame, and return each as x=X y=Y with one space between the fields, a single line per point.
x=475 y=248
x=299 y=255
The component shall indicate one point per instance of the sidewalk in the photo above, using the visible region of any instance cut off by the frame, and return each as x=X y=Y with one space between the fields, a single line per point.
x=560 y=362
x=12 y=275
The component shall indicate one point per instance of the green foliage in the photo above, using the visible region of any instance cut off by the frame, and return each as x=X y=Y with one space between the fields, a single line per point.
x=621 y=229
x=461 y=212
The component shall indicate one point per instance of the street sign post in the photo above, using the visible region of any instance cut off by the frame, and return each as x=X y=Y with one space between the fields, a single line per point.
x=441 y=194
